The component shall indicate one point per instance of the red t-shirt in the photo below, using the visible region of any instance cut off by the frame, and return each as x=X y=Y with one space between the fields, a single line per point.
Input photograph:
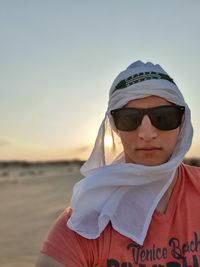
x=173 y=238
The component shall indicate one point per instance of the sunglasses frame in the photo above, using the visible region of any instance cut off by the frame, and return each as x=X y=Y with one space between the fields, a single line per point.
x=148 y=112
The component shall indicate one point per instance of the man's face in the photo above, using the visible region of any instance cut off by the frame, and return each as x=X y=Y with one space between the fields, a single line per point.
x=148 y=145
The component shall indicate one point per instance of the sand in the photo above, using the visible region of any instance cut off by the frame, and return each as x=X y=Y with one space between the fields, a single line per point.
x=30 y=200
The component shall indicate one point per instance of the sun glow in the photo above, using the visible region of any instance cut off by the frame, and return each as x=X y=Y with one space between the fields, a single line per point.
x=108 y=141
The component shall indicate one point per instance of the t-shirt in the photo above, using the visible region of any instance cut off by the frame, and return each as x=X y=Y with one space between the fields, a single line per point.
x=173 y=238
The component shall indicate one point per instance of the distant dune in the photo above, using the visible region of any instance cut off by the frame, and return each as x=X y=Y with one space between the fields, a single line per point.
x=23 y=163
x=192 y=161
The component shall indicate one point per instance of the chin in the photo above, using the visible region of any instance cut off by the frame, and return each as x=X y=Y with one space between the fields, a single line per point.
x=147 y=162
x=150 y=160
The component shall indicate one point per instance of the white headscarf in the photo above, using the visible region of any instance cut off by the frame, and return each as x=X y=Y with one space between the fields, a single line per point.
x=126 y=193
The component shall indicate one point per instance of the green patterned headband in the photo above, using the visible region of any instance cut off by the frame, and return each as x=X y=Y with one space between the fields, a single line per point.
x=140 y=77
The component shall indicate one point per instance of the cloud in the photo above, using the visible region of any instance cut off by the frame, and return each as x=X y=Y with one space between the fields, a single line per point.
x=4 y=142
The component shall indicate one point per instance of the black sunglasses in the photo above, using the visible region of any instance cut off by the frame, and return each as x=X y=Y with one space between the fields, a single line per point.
x=164 y=118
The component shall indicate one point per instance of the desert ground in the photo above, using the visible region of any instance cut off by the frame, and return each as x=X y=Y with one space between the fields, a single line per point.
x=30 y=200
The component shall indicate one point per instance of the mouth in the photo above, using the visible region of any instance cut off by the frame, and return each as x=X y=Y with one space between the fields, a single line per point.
x=150 y=149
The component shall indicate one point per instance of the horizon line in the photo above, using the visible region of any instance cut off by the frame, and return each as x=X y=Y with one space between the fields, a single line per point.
x=64 y=161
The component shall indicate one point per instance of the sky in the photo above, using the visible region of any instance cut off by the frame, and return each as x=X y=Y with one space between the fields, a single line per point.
x=58 y=59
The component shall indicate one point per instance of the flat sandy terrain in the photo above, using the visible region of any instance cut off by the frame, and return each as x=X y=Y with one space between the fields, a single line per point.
x=30 y=200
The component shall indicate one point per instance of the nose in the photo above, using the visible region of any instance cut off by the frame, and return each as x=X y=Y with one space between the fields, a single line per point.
x=146 y=130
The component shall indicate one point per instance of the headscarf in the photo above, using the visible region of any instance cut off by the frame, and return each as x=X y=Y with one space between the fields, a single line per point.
x=126 y=194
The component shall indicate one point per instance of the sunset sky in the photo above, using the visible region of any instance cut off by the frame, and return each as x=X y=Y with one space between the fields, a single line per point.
x=58 y=59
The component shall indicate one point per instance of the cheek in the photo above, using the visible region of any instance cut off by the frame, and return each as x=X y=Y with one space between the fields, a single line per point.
x=127 y=138
x=171 y=139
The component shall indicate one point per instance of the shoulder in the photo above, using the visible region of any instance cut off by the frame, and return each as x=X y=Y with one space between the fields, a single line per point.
x=50 y=256
x=66 y=246
x=191 y=175
x=59 y=233
x=59 y=230
x=61 y=245
x=191 y=170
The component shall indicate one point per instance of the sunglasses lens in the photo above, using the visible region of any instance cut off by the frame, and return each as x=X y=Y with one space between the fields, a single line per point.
x=164 y=118
x=127 y=119
x=167 y=117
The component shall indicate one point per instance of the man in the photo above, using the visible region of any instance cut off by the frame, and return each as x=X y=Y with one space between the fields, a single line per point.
x=139 y=204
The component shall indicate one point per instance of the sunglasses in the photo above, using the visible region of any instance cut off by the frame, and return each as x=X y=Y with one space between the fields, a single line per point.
x=164 y=118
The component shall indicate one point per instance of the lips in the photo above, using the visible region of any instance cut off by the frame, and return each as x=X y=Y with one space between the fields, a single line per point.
x=149 y=149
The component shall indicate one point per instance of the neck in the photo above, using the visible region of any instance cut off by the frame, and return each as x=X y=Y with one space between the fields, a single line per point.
x=163 y=203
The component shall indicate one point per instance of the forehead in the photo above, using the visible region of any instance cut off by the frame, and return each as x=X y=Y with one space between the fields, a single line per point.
x=147 y=102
